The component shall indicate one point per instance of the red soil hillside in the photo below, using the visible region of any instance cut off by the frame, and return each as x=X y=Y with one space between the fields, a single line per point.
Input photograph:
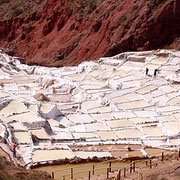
x=67 y=32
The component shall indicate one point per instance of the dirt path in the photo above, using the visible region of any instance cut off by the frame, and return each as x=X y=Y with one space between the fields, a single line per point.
x=5 y=151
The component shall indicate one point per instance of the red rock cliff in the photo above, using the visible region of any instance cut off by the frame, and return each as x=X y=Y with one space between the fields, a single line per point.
x=69 y=32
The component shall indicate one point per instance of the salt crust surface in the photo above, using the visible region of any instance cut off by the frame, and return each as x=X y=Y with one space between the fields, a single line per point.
x=23 y=137
x=106 y=102
x=47 y=155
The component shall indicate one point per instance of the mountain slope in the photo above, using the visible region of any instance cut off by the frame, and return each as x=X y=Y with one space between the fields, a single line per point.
x=68 y=32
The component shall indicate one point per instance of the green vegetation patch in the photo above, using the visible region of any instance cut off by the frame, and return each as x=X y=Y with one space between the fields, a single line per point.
x=82 y=8
x=14 y=8
x=119 y=21
x=157 y=2
x=134 y=8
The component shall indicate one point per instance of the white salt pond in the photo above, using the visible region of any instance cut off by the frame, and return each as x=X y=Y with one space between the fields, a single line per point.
x=153 y=131
x=142 y=120
x=123 y=114
x=22 y=137
x=129 y=133
x=18 y=126
x=146 y=89
x=96 y=126
x=5 y=119
x=119 y=123
x=85 y=135
x=14 y=107
x=102 y=109
x=26 y=117
x=160 y=61
x=174 y=127
x=47 y=155
x=107 y=135
x=103 y=116
x=40 y=134
x=80 y=118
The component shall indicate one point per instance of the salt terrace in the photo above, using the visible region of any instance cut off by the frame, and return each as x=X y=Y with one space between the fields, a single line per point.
x=100 y=108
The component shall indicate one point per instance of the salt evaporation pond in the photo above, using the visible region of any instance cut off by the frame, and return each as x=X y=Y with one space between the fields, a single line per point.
x=80 y=170
x=99 y=108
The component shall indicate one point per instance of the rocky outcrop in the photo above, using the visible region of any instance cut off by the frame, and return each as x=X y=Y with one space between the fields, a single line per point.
x=66 y=33
x=41 y=97
x=154 y=27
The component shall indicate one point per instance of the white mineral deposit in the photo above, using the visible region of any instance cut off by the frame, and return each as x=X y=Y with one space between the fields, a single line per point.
x=99 y=108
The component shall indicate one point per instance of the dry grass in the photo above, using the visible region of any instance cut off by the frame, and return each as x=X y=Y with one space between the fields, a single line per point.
x=12 y=9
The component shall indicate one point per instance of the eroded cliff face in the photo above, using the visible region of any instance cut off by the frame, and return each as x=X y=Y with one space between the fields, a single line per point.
x=68 y=32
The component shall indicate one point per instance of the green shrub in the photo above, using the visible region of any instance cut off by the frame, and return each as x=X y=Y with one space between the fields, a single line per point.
x=92 y=6
x=134 y=8
x=122 y=19
x=167 y=46
x=157 y=2
x=17 y=5
x=68 y=4
x=27 y=28
x=83 y=8
x=118 y=22
x=17 y=12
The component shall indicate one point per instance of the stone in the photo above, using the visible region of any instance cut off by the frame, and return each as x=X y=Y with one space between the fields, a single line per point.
x=41 y=97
